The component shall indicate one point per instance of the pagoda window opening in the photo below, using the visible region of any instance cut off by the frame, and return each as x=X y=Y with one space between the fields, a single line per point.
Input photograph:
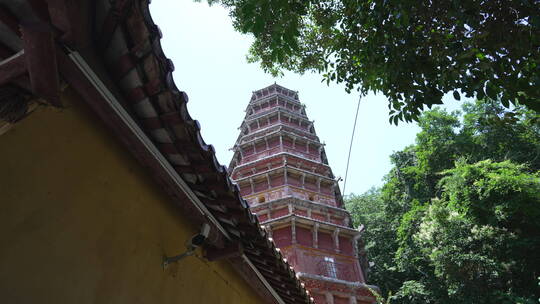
x=261 y=199
x=331 y=269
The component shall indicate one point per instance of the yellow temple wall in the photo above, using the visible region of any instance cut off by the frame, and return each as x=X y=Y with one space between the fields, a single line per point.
x=82 y=222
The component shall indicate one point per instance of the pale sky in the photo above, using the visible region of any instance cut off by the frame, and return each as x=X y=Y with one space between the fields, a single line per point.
x=210 y=66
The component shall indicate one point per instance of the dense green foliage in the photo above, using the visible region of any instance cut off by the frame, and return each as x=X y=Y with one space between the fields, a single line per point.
x=411 y=51
x=458 y=217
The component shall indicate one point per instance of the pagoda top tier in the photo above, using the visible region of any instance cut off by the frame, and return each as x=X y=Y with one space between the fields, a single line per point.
x=274 y=89
x=278 y=148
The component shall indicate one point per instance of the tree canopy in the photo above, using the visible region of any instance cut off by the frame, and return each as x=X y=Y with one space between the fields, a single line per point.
x=413 y=52
x=456 y=220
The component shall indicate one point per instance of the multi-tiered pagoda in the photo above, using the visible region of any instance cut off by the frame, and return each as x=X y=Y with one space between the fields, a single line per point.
x=282 y=171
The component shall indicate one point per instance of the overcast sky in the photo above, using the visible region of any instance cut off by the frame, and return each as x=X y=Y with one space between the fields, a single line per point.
x=210 y=65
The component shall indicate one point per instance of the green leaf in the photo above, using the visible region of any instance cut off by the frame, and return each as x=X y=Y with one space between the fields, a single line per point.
x=401 y=47
x=505 y=102
x=456 y=95
x=491 y=90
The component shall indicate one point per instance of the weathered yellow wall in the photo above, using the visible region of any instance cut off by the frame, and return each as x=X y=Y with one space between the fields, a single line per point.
x=81 y=221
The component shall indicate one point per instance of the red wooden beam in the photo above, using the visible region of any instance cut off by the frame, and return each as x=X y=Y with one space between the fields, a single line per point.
x=230 y=250
x=7 y=18
x=40 y=9
x=112 y=21
x=58 y=11
x=5 y=52
x=68 y=17
x=22 y=82
x=12 y=67
x=40 y=54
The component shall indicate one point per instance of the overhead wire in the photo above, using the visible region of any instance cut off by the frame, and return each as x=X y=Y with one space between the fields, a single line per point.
x=350 y=145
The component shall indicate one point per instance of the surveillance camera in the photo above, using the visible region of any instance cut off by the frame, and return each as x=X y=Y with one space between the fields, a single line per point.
x=198 y=239
x=195 y=241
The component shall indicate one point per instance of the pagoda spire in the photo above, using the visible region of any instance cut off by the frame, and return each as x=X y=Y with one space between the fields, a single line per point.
x=282 y=171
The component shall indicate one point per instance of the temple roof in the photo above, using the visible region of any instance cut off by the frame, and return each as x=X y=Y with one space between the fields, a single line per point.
x=110 y=52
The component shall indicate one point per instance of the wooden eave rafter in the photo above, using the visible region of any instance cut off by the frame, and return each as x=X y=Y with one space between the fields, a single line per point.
x=297 y=202
x=279 y=132
x=40 y=57
x=274 y=89
x=12 y=67
x=279 y=157
x=274 y=111
x=37 y=59
x=271 y=98
x=288 y=128
x=262 y=174
x=286 y=219
x=9 y=19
